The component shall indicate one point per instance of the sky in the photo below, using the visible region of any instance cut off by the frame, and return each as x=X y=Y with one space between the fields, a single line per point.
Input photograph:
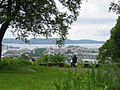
x=94 y=22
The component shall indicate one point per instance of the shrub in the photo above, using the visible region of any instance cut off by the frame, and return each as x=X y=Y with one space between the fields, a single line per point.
x=57 y=58
x=23 y=61
x=6 y=61
x=14 y=61
x=45 y=58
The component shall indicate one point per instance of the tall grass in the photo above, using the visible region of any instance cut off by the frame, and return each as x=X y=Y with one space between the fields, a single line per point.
x=93 y=79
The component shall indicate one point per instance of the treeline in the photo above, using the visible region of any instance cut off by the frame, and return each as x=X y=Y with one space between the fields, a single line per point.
x=110 y=51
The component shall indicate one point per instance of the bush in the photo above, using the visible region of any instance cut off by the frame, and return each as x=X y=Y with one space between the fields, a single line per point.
x=14 y=61
x=57 y=58
x=67 y=65
x=44 y=58
x=6 y=61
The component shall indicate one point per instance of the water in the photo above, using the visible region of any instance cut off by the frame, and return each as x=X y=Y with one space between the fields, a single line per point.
x=33 y=46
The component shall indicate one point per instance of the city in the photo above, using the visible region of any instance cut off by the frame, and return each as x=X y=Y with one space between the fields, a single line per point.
x=83 y=54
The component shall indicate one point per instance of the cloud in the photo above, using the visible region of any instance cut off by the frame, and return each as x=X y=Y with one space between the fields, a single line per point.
x=90 y=31
x=95 y=21
x=8 y=34
x=96 y=9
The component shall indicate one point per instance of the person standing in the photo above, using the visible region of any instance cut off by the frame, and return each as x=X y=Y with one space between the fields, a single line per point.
x=74 y=61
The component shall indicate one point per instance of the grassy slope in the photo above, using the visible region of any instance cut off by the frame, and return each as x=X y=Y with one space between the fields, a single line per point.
x=17 y=77
x=21 y=78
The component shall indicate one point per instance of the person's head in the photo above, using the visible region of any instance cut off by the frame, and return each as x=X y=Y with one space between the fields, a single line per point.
x=74 y=55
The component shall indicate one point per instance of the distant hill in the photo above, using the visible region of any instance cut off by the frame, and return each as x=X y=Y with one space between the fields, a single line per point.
x=52 y=41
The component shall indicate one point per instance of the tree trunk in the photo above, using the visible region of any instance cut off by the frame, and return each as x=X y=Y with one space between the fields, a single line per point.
x=0 y=50
x=2 y=32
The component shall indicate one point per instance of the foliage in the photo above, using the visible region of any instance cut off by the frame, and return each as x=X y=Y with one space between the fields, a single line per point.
x=14 y=61
x=25 y=55
x=56 y=58
x=115 y=7
x=37 y=52
x=111 y=50
x=53 y=78
x=67 y=65
x=46 y=58
x=90 y=80
x=106 y=51
x=36 y=17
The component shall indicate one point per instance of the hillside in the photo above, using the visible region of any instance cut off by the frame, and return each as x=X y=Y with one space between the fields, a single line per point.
x=52 y=41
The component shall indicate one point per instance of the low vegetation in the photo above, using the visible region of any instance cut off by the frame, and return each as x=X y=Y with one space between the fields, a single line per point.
x=16 y=75
x=21 y=74
x=57 y=58
x=110 y=51
x=102 y=78
x=36 y=53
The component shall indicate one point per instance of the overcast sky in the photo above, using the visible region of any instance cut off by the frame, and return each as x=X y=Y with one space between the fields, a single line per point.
x=94 y=21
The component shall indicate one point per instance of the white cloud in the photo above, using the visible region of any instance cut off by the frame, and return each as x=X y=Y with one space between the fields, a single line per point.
x=90 y=31
x=95 y=21
x=96 y=9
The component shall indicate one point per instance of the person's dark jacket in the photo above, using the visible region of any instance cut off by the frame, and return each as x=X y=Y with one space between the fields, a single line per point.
x=74 y=59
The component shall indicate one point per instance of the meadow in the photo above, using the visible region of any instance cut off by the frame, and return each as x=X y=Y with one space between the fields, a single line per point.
x=30 y=77
x=23 y=75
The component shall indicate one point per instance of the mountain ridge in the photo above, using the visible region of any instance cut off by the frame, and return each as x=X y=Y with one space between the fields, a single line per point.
x=52 y=41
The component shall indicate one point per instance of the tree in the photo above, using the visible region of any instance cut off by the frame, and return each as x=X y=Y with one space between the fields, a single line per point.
x=111 y=49
x=115 y=7
x=37 y=17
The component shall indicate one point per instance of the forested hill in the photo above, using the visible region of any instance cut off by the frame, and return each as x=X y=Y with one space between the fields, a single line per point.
x=52 y=41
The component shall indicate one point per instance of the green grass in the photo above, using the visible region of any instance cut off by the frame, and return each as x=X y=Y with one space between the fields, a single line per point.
x=34 y=77
x=102 y=78
x=18 y=77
